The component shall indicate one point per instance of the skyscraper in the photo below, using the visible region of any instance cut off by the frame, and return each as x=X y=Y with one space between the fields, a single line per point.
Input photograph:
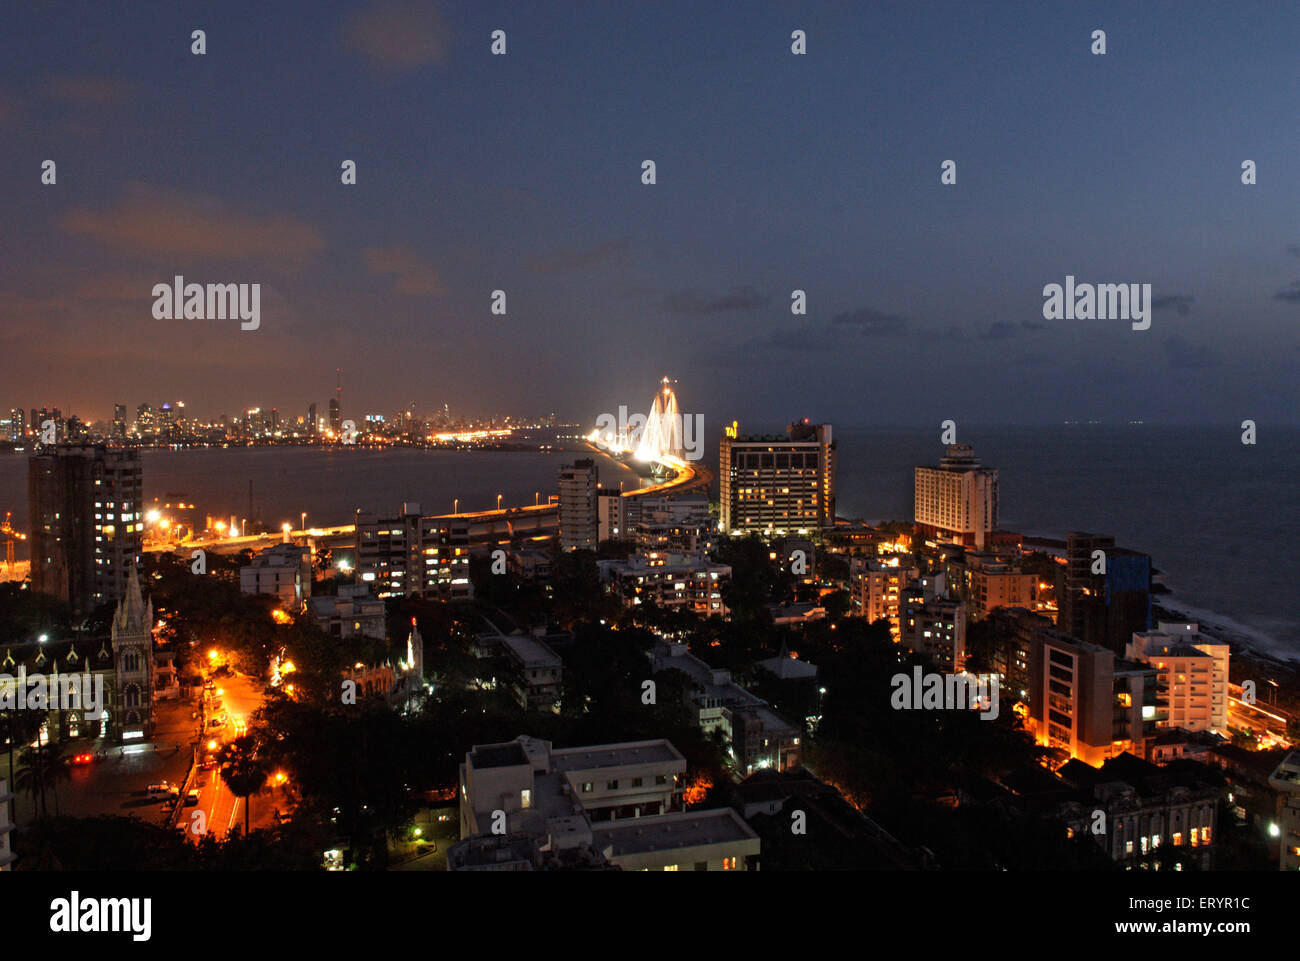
x=579 y=524
x=1106 y=591
x=958 y=500
x=778 y=484
x=119 y=421
x=87 y=522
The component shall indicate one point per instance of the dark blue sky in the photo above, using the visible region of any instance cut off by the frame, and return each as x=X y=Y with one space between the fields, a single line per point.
x=775 y=172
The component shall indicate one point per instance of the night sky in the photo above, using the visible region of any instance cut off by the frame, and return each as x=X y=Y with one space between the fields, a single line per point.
x=523 y=172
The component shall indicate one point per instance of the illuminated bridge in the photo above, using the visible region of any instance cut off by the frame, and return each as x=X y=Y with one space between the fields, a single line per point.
x=657 y=444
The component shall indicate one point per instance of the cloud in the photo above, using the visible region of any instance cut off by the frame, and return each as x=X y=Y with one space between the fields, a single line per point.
x=193 y=225
x=1185 y=356
x=698 y=302
x=413 y=275
x=1290 y=294
x=569 y=258
x=871 y=322
x=89 y=90
x=1179 y=302
x=397 y=35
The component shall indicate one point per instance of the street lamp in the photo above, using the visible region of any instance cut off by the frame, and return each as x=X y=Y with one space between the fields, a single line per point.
x=499 y=496
x=455 y=505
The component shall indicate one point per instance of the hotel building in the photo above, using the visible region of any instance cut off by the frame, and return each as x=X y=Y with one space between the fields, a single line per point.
x=958 y=500
x=777 y=484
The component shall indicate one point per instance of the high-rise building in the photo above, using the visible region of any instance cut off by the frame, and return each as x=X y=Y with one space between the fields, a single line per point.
x=1105 y=594
x=335 y=422
x=119 y=421
x=86 y=522
x=958 y=500
x=579 y=524
x=312 y=426
x=412 y=555
x=778 y=484
x=17 y=424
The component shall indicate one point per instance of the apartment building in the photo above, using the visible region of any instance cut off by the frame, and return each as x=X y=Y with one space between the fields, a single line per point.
x=1083 y=699
x=579 y=517
x=534 y=672
x=1193 y=669
x=282 y=571
x=756 y=736
x=876 y=585
x=670 y=580
x=352 y=611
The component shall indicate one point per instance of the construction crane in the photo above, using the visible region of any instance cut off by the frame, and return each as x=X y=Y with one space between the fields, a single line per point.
x=10 y=536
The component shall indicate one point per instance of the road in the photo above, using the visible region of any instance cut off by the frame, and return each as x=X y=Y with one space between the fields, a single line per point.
x=237 y=697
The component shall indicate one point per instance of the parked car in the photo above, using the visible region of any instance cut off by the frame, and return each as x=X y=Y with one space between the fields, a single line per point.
x=162 y=791
x=192 y=799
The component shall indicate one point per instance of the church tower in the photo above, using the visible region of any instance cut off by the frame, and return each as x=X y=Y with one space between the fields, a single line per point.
x=411 y=683
x=131 y=716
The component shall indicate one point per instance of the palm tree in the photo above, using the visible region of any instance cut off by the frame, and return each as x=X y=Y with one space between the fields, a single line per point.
x=40 y=769
x=242 y=770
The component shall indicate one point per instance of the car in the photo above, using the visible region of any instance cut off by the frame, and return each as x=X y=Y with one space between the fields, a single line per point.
x=85 y=757
x=207 y=764
x=216 y=724
x=161 y=791
x=192 y=799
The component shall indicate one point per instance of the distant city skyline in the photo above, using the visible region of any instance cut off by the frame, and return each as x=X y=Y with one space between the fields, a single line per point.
x=775 y=173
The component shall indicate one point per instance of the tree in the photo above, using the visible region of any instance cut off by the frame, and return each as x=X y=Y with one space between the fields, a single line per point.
x=40 y=769
x=242 y=770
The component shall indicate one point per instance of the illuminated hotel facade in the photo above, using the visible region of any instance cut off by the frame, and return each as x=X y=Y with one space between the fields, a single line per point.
x=958 y=500
x=777 y=484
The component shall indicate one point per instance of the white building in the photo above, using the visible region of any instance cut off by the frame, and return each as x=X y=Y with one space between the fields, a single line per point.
x=620 y=803
x=958 y=500
x=1193 y=668
x=579 y=524
x=282 y=571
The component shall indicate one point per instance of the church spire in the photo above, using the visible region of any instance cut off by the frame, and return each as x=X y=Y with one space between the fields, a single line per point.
x=133 y=616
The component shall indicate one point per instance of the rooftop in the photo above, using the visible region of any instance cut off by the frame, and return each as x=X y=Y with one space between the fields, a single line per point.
x=671 y=831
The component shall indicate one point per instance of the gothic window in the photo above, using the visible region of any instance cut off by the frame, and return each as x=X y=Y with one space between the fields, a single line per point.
x=131 y=661
x=131 y=696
